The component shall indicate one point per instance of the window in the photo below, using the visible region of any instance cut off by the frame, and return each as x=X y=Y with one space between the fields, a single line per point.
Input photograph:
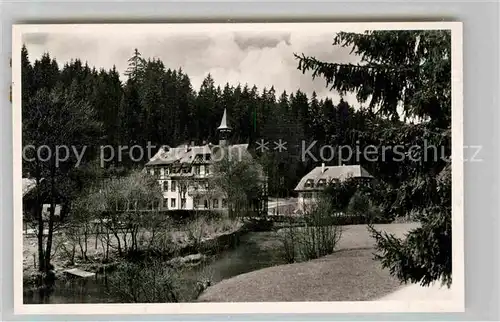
x=172 y=203
x=166 y=170
x=307 y=195
x=152 y=171
x=183 y=203
x=224 y=203
x=196 y=201
x=216 y=203
x=165 y=203
x=309 y=183
x=197 y=170
x=165 y=185
x=173 y=186
x=207 y=169
x=321 y=183
x=206 y=203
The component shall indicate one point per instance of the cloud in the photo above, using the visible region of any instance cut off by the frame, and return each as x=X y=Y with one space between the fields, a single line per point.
x=35 y=38
x=263 y=59
x=260 y=40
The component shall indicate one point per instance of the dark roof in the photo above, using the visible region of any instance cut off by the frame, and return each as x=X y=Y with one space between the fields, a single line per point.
x=331 y=173
x=185 y=154
x=223 y=124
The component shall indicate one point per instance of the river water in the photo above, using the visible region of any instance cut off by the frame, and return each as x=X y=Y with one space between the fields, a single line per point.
x=256 y=250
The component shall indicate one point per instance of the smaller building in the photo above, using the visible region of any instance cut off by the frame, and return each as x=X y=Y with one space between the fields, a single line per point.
x=30 y=200
x=315 y=181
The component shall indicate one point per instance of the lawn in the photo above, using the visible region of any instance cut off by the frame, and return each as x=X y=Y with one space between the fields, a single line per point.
x=350 y=274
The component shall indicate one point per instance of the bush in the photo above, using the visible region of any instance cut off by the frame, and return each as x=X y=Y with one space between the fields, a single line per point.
x=360 y=206
x=163 y=244
x=201 y=228
x=150 y=281
x=318 y=238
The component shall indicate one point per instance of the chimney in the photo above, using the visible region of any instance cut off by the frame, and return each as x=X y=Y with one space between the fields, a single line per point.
x=192 y=143
x=322 y=168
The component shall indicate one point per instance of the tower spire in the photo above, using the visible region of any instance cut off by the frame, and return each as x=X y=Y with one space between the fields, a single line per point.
x=224 y=130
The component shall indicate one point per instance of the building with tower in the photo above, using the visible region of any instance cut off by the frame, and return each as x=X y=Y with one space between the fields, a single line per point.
x=184 y=173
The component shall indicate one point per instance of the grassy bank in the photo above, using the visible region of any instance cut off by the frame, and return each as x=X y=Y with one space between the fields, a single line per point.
x=350 y=274
x=174 y=240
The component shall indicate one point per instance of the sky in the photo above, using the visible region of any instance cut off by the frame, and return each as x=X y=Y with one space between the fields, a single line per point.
x=264 y=58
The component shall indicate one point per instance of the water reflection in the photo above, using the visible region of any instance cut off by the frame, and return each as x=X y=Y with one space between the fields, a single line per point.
x=255 y=251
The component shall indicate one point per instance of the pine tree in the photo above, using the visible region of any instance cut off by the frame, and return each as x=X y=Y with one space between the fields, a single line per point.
x=136 y=65
x=411 y=69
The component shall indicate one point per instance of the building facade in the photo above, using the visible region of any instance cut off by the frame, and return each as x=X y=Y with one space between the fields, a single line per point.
x=184 y=173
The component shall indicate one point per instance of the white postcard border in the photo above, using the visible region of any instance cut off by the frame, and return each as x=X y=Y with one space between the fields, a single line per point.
x=456 y=304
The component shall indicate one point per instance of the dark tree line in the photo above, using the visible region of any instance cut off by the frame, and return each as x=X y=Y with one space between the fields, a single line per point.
x=159 y=105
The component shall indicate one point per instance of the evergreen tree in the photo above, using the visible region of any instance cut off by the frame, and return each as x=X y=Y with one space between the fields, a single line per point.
x=136 y=65
x=409 y=69
x=26 y=76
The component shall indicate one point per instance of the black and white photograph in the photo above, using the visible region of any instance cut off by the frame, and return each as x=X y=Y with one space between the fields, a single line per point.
x=237 y=166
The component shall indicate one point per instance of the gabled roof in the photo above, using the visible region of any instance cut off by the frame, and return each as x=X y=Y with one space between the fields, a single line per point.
x=331 y=173
x=188 y=154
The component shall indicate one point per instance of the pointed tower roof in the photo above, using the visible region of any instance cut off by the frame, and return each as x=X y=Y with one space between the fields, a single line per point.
x=223 y=124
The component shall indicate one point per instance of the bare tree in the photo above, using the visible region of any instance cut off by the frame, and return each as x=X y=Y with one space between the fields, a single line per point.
x=239 y=179
x=61 y=121
x=128 y=207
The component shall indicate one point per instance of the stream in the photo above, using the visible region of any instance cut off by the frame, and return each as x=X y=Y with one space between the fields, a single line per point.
x=256 y=250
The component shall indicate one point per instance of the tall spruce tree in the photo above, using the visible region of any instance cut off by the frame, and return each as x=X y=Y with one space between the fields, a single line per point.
x=136 y=65
x=411 y=69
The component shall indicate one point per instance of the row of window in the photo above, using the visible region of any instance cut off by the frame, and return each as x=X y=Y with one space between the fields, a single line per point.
x=310 y=183
x=215 y=203
x=308 y=195
x=173 y=202
x=173 y=185
x=196 y=203
x=197 y=170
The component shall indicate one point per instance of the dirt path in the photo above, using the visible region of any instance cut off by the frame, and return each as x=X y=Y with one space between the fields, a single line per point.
x=350 y=274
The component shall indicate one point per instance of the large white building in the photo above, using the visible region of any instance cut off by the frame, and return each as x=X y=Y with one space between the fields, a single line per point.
x=183 y=173
x=315 y=181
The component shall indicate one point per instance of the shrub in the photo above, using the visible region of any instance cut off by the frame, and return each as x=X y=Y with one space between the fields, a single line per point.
x=163 y=243
x=150 y=281
x=361 y=206
x=202 y=227
x=318 y=238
